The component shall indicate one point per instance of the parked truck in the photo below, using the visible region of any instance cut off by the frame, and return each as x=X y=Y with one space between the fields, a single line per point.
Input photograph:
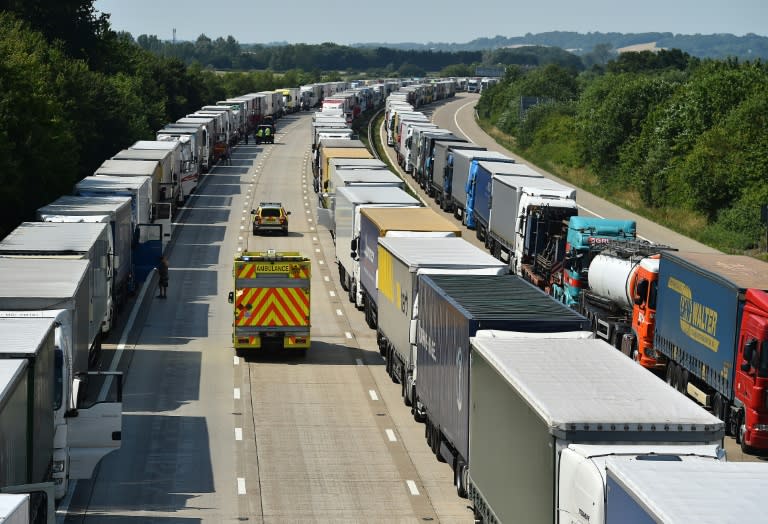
x=357 y=178
x=138 y=168
x=335 y=148
x=620 y=297
x=189 y=172
x=197 y=137
x=208 y=125
x=546 y=415
x=70 y=427
x=541 y=207
x=426 y=167
x=585 y=238
x=678 y=492
x=425 y=155
x=350 y=201
x=452 y=308
x=458 y=174
x=479 y=197
x=376 y=222
x=408 y=140
x=83 y=241
x=400 y=262
x=442 y=177
x=138 y=188
x=179 y=162
x=712 y=326
x=114 y=210
x=271 y=301
x=169 y=189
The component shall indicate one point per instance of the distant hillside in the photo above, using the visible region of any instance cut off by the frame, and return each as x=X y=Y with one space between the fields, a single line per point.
x=748 y=47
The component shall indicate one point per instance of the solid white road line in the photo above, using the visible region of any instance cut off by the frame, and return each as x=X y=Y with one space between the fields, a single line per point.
x=124 y=338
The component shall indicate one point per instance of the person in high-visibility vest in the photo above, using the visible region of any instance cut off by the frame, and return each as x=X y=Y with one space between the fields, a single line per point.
x=267 y=133
x=259 y=135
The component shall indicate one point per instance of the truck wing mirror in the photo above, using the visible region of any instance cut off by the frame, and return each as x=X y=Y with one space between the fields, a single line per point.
x=748 y=355
x=353 y=244
x=231 y=297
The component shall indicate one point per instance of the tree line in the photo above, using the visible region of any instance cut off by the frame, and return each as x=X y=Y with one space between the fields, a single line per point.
x=73 y=93
x=683 y=140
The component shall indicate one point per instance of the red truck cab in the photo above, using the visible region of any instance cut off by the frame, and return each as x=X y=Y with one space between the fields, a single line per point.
x=751 y=377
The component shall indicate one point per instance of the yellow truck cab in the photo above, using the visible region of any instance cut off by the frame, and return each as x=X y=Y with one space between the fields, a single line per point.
x=271 y=301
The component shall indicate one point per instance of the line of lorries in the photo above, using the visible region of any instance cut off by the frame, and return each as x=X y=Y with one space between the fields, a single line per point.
x=509 y=356
x=63 y=280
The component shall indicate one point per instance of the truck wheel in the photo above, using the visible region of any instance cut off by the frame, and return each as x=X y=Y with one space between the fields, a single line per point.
x=682 y=382
x=718 y=411
x=406 y=400
x=670 y=374
x=459 y=471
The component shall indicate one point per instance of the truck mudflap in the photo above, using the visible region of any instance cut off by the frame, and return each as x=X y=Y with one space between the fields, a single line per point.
x=96 y=430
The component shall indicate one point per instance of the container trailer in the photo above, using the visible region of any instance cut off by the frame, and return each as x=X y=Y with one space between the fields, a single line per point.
x=69 y=429
x=80 y=241
x=383 y=222
x=453 y=308
x=349 y=203
x=679 y=492
x=458 y=174
x=442 y=179
x=400 y=262
x=546 y=415
x=115 y=210
x=712 y=326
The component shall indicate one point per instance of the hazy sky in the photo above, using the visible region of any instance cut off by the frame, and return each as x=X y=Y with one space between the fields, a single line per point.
x=345 y=22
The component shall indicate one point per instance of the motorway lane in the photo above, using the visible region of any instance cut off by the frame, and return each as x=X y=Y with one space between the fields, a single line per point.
x=458 y=116
x=209 y=437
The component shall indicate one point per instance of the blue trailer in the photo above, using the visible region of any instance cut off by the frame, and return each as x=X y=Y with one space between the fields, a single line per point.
x=712 y=325
x=452 y=308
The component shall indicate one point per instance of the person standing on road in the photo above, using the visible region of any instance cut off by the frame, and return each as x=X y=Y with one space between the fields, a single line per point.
x=162 y=270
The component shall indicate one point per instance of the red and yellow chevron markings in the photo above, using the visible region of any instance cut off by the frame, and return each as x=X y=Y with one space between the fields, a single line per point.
x=274 y=307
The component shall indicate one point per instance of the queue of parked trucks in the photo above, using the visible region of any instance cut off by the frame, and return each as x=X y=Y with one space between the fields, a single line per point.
x=65 y=278
x=505 y=355
x=513 y=357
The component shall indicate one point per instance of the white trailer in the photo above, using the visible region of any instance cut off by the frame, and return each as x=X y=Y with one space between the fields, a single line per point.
x=672 y=492
x=86 y=405
x=66 y=240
